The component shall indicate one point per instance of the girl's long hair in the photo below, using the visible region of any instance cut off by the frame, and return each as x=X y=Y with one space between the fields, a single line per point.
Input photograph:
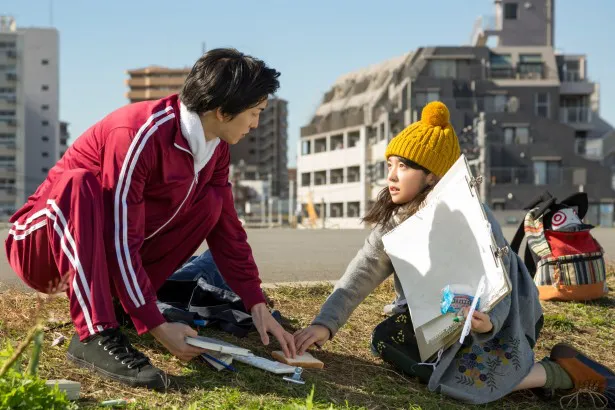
x=384 y=209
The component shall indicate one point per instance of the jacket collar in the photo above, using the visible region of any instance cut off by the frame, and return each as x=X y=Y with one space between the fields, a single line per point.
x=192 y=131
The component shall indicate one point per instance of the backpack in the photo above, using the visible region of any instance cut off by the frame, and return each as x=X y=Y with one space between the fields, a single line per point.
x=565 y=260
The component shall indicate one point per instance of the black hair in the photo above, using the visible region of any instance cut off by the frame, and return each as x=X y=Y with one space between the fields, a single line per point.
x=227 y=79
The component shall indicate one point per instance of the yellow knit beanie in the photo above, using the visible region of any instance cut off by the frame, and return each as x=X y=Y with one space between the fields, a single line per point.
x=430 y=142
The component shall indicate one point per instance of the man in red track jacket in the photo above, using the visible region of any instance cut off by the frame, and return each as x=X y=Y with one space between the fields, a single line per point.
x=132 y=199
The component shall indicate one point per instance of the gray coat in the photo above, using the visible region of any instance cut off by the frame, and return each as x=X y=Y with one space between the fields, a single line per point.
x=488 y=366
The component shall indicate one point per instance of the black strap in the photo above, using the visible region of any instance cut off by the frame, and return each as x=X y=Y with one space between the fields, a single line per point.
x=544 y=197
x=515 y=245
x=540 y=211
x=578 y=200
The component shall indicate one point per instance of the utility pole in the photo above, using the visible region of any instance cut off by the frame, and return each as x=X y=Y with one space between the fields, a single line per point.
x=483 y=157
x=323 y=211
x=291 y=205
x=270 y=202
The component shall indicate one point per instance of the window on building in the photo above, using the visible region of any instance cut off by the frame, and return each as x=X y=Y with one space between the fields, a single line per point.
x=45 y=107
x=337 y=210
x=423 y=98
x=336 y=142
x=306 y=147
x=500 y=60
x=353 y=174
x=337 y=176
x=572 y=70
x=496 y=103
x=45 y=87
x=500 y=66
x=510 y=11
x=44 y=62
x=443 y=68
x=516 y=135
x=353 y=209
x=320 y=178
x=306 y=179
x=541 y=104
x=252 y=152
x=531 y=66
x=45 y=170
x=522 y=135
x=45 y=138
x=547 y=172
x=353 y=138
x=44 y=123
x=320 y=145
x=45 y=154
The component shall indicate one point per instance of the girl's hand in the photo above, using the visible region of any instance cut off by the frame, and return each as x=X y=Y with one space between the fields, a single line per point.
x=481 y=322
x=314 y=334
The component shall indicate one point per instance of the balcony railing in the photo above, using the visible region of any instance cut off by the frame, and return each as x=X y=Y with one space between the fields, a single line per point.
x=575 y=115
x=522 y=71
x=501 y=72
x=528 y=176
x=572 y=76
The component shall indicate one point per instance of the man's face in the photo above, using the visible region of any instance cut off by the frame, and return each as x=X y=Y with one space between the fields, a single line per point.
x=233 y=131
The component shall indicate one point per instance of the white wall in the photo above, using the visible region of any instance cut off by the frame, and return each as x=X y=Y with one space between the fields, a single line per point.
x=329 y=160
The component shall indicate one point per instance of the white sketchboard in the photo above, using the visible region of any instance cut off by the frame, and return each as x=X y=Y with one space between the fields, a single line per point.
x=446 y=242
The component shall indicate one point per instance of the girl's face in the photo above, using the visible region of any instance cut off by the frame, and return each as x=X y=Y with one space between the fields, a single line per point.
x=405 y=183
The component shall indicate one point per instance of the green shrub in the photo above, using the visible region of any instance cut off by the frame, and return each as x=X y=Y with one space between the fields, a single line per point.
x=19 y=390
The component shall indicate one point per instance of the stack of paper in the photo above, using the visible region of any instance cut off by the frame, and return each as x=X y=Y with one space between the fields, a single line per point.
x=449 y=241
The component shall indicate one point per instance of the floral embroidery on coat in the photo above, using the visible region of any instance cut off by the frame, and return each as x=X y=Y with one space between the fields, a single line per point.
x=479 y=365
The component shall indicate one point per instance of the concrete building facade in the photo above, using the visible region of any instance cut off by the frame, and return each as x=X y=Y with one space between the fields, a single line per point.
x=29 y=110
x=541 y=111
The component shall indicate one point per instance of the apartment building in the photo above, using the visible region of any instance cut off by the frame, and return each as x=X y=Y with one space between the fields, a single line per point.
x=263 y=151
x=542 y=114
x=64 y=137
x=29 y=110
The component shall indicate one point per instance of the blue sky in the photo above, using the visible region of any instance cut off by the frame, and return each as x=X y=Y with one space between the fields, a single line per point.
x=310 y=42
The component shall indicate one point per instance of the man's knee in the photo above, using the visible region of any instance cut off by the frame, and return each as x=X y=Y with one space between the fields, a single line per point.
x=82 y=182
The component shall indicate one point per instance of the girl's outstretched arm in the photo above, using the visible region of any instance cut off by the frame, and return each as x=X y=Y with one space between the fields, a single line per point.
x=368 y=269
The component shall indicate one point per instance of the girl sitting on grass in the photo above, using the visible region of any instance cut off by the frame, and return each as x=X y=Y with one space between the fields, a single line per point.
x=498 y=358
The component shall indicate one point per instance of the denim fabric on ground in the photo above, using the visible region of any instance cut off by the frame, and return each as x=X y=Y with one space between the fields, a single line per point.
x=202 y=266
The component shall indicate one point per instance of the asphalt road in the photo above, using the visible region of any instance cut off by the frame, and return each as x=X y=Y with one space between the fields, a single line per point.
x=288 y=255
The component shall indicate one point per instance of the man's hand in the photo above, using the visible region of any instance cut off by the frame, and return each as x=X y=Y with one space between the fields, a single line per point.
x=265 y=323
x=311 y=335
x=481 y=322
x=173 y=337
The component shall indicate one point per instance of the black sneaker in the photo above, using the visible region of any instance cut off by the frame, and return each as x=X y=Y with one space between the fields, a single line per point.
x=111 y=355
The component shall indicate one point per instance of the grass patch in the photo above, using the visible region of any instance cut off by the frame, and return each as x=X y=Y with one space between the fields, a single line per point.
x=559 y=322
x=352 y=379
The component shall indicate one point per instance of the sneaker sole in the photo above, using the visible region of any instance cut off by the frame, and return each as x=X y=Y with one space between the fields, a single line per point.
x=154 y=385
